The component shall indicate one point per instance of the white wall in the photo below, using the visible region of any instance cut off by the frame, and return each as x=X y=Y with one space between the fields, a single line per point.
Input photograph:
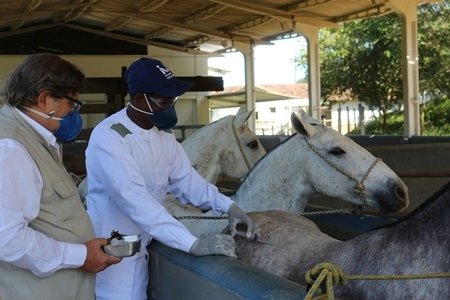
x=191 y=107
x=92 y=66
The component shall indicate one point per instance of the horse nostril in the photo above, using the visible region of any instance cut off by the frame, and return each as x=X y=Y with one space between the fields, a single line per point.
x=394 y=199
x=401 y=195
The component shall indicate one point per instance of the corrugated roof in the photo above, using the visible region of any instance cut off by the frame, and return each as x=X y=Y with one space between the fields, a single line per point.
x=194 y=26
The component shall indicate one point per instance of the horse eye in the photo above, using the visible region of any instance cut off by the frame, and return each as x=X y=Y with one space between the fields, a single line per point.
x=336 y=151
x=253 y=144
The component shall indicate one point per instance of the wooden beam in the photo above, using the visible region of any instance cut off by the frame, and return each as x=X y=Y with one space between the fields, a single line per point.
x=155 y=19
x=204 y=83
x=204 y=13
x=26 y=30
x=136 y=40
x=257 y=9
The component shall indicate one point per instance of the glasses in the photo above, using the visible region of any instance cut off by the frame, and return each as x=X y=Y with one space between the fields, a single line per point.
x=162 y=102
x=76 y=104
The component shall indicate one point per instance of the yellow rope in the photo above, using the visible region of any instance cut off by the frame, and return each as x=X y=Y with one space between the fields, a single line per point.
x=334 y=275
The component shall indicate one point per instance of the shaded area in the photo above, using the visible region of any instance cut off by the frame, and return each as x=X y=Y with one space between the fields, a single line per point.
x=67 y=41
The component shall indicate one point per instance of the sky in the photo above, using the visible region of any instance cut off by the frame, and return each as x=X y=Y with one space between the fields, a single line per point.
x=274 y=64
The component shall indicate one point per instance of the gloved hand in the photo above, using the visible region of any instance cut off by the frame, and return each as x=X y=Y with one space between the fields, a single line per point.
x=221 y=244
x=237 y=216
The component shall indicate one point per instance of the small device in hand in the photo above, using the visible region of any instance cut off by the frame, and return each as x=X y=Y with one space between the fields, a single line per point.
x=122 y=245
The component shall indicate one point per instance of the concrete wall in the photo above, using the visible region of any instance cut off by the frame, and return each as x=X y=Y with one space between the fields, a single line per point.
x=92 y=65
x=192 y=107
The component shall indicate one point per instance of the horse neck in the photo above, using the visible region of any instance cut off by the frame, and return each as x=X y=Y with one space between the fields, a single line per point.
x=418 y=241
x=206 y=159
x=276 y=182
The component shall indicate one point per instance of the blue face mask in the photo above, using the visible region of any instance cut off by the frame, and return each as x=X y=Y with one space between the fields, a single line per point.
x=70 y=127
x=164 y=119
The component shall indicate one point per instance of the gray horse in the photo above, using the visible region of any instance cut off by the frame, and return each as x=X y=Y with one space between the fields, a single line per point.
x=315 y=160
x=419 y=243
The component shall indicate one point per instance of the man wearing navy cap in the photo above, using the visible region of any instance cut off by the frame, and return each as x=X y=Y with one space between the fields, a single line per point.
x=132 y=163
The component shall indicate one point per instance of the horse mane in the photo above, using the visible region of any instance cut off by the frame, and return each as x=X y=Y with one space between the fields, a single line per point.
x=254 y=166
x=212 y=124
x=426 y=206
x=217 y=121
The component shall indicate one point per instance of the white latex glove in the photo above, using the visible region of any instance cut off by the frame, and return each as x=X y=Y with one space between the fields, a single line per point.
x=221 y=244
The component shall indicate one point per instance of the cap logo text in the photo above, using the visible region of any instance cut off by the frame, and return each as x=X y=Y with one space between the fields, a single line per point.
x=166 y=72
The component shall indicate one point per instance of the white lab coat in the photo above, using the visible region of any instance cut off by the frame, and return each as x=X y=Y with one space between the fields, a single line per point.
x=128 y=178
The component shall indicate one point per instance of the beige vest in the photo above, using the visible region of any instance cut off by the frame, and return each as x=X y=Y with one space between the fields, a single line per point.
x=61 y=216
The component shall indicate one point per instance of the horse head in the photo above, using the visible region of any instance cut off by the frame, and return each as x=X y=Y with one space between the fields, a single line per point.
x=339 y=167
x=224 y=147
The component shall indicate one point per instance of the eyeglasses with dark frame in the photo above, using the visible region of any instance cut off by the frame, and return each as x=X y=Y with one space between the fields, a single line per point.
x=162 y=102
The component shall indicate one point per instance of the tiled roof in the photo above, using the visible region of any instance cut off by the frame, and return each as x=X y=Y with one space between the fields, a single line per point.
x=293 y=90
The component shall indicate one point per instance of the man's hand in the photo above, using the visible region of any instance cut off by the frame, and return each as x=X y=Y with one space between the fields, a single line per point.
x=221 y=244
x=96 y=259
x=237 y=216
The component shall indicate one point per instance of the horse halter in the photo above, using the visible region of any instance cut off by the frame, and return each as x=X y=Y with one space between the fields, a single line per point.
x=234 y=129
x=359 y=188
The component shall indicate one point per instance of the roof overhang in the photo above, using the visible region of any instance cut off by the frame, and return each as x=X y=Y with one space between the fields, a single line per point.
x=187 y=26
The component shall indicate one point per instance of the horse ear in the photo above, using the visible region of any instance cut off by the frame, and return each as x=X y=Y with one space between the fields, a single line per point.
x=308 y=118
x=242 y=116
x=301 y=124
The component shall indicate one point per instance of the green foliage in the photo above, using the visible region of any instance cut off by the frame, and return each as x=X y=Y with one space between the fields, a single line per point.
x=434 y=48
x=393 y=125
x=436 y=115
x=362 y=61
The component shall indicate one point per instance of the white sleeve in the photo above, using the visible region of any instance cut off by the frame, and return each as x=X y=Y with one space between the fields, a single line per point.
x=190 y=187
x=110 y=161
x=20 y=192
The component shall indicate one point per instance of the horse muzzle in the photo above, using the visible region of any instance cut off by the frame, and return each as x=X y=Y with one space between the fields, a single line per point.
x=394 y=198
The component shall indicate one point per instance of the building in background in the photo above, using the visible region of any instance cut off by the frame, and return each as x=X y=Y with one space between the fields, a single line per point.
x=276 y=102
x=274 y=105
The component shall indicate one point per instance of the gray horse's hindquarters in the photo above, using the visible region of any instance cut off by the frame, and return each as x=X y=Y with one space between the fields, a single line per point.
x=416 y=244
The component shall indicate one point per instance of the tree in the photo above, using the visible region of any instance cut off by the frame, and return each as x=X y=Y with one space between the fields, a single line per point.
x=362 y=60
x=434 y=49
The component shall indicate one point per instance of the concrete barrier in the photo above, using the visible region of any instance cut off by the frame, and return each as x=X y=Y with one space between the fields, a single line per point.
x=175 y=275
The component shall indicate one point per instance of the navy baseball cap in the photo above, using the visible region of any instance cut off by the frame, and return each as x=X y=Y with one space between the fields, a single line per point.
x=148 y=75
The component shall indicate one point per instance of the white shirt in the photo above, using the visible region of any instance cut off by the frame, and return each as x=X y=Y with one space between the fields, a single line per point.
x=20 y=196
x=128 y=178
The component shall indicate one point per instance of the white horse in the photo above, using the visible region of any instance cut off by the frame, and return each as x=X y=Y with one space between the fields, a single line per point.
x=224 y=147
x=316 y=159
x=417 y=244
